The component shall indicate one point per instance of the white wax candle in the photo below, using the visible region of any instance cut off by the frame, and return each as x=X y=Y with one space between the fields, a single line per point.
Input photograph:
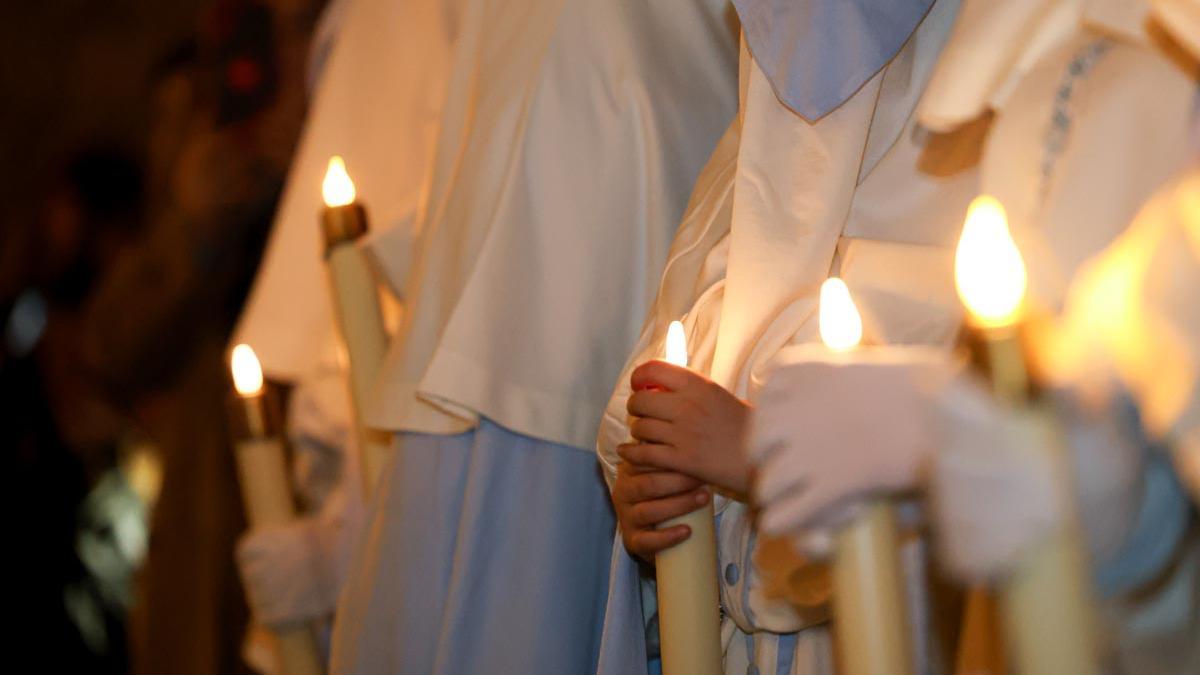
x=1048 y=613
x=871 y=624
x=689 y=620
x=356 y=306
x=267 y=497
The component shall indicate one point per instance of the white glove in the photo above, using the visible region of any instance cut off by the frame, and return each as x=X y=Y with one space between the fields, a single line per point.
x=320 y=429
x=287 y=571
x=829 y=430
x=994 y=491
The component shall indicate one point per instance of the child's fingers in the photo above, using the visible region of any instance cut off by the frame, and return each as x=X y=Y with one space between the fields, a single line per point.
x=635 y=469
x=650 y=430
x=627 y=451
x=661 y=374
x=639 y=487
x=656 y=455
x=655 y=511
x=648 y=543
x=654 y=403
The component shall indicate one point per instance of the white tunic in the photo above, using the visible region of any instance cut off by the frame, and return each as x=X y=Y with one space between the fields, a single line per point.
x=376 y=104
x=858 y=193
x=573 y=131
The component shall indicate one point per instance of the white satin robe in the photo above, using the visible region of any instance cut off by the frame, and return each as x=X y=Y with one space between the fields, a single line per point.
x=571 y=133
x=860 y=193
x=376 y=103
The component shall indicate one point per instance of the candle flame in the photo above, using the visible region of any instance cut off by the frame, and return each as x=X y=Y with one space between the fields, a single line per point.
x=839 y=322
x=988 y=269
x=337 y=189
x=677 y=345
x=247 y=373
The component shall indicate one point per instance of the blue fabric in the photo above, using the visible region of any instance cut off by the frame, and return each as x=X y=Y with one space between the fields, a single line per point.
x=1162 y=520
x=786 y=654
x=623 y=643
x=485 y=552
x=818 y=53
x=1161 y=525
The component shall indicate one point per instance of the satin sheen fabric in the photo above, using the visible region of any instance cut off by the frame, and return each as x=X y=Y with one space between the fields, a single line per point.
x=817 y=53
x=376 y=104
x=571 y=135
x=784 y=203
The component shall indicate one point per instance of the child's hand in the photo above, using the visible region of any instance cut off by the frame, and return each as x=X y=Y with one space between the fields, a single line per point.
x=687 y=423
x=644 y=498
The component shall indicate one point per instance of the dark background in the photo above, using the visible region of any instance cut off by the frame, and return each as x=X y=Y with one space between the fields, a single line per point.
x=144 y=144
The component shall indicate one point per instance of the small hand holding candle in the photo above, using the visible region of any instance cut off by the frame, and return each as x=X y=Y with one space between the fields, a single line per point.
x=685 y=425
x=685 y=422
x=266 y=494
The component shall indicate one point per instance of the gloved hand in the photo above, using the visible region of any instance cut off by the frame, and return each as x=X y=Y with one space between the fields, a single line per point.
x=829 y=430
x=320 y=429
x=287 y=571
x=994 y=492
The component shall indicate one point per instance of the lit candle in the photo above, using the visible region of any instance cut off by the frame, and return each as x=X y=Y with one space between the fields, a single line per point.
x=989 y=274
x=356 y=305
x=871 y=624
x=1046 y=603
x=689 y=621
x=266 y=494
x=248 y=381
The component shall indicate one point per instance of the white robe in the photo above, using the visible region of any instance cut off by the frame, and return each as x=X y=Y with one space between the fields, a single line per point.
x=376 y=104
x=572 y=133
x=850 y=194
x=378 y=69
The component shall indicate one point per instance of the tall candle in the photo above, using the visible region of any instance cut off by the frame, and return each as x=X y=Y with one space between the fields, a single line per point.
x=1046 y=604
x=266 y=495
x=356 y=305
x=689 y=621
x=870 y=621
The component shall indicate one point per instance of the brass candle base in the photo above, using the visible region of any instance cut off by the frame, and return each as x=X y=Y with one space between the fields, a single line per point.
x=341 y=224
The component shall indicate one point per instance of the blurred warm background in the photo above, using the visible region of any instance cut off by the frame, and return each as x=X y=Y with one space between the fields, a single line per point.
x=125 y=255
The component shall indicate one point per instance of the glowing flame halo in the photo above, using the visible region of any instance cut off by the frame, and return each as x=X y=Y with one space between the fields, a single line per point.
x=247 y=373
x=677 y=353
x=337 y=188
x=989 y=272
x=839 y=321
